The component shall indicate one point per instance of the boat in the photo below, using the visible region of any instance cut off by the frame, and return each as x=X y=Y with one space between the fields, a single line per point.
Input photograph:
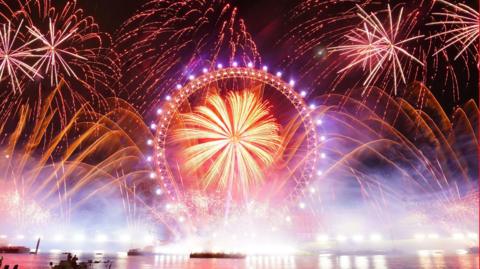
x=211 y=255
x=135 y=252
x=14 y=249
x=473 y=250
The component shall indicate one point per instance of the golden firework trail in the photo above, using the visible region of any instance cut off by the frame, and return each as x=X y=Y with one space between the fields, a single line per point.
x=47 y=172
x=442 y=166
x=236 y=139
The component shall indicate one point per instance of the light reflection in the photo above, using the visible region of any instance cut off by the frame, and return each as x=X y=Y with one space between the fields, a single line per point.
x=438 y=260
x=270 y=261
x=345 y=262
x=361 y=262
x=379 y=262
x=325 y=262
x=466 y=261
x=322 y=261
x=424 y=260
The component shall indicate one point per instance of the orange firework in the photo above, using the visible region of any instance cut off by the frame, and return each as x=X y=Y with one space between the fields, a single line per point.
x=236 y=139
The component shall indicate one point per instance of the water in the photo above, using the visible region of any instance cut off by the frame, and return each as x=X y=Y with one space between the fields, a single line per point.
x=41 y=261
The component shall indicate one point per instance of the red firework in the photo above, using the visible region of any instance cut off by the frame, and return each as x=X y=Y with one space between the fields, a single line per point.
x=197 y=34
x=461 y=24
x=380 y=47
x=322 y=26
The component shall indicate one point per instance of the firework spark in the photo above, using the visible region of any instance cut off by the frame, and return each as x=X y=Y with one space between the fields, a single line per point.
x=237 y=138
x=194 y=35
x=465 y=22
x=60 y=44
x=64 y=175
x=12 y=58
x=23 y=210
x=443 y=175
x=54 y=54
x=378 y=47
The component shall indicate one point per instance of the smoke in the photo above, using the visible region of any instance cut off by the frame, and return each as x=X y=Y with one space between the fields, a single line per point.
x=393 y=170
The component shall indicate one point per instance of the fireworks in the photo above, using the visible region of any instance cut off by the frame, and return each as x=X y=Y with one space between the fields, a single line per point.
x=209 y=138
x=406 y=139
x=43 y=47
x=13 y=56
x=231 y=145
x=223 y=143
x=25 y=212
x=54 y=55
x=66 y=43
x=464 y=21
x=197 y=34
x=238 y=137
x=378 y=48
x=318 y=26
x=46 y=177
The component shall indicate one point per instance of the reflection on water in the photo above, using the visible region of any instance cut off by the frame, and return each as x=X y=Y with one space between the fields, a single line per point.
x=324 y=261
x=379 y=262
x=270 y=262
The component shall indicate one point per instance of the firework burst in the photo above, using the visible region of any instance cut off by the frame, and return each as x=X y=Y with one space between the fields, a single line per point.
x=239 y=115
x=237 y=139
x=54 y=55
x=316 y=26
x=378 y=48
x=461 y=24
x=59 y=43
x=13 y=57
x=68 y=43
